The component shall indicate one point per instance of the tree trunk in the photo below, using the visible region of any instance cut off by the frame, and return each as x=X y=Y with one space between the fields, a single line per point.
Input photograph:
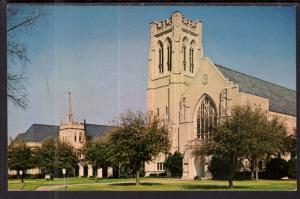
x=137 y=177
x=22 y=178
x=256 y=170
x=230 y=183
x=252 y=169
x=95 y=173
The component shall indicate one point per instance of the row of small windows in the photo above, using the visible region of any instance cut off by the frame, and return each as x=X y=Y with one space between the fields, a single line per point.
x=169 y=57
x=64 y=138
x=160 y=166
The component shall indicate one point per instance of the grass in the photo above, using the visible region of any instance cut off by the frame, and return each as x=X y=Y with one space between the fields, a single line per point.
x=151 y=184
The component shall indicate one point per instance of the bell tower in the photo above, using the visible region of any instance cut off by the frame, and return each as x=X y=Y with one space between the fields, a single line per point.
x=174 y=57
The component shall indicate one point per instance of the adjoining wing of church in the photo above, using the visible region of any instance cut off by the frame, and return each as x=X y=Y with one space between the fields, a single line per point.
x=186 y=89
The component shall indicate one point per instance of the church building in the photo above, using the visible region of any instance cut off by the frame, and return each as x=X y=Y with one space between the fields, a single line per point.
x=72 y=132
x=192 y=93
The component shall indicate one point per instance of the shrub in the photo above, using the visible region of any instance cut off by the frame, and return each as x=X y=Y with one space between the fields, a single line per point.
x=219 y=167
x=12 y=176
x=174 y=164
x=242 y=175
x=164 y=174
x=292 y=168
x=276 y=168
x=153 y=175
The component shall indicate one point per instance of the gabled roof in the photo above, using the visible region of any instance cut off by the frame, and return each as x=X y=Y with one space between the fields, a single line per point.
x=41 y=132
x=95 y=130
x=281 y=99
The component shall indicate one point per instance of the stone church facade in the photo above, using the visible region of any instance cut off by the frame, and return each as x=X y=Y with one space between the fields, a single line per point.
x=192 y=93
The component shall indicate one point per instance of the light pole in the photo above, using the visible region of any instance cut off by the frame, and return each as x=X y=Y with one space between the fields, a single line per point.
x=64 y=172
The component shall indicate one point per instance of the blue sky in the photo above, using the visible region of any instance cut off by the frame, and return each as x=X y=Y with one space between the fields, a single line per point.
x=100 y=54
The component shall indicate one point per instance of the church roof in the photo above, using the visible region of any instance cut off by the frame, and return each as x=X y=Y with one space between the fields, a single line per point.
x=281 y=99
x=41 y=132
x=38 y=133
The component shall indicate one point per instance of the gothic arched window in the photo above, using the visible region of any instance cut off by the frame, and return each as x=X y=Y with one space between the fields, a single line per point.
x=160 y=57
x=184 y=48
x=169 y=53
x=184 y=57
x=206 y=118
x=192 y=56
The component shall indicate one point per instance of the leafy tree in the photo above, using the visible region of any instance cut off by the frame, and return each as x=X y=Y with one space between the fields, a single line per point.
x=174 y=164
x=66 y=157
x=266 y=138
x=290 y=145
x=98 y=153
x=18 y=20
x=246 y=134
x=230 y=140
x=45 y=156
x=138 y=139
x=19 y=157
x=55 y=155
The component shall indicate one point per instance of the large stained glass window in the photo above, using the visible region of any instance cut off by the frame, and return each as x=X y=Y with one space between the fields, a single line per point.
x=206 y=118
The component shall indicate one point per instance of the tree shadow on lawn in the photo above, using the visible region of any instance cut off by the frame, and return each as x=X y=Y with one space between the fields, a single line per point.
x=133 y=183
x=208 y=187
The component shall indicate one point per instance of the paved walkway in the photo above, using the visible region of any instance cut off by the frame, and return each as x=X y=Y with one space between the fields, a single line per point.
x=55 y=187
x=49 y=187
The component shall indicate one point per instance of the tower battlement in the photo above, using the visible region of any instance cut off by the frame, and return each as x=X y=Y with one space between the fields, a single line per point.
x=176 y=19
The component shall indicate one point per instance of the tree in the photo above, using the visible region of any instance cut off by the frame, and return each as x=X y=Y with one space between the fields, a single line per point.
x=65 y=156
x=138 y=139
x=98 y=153
x=53 y=155
x=229 y=141
x=174 y=164
x=290 y=145
x=267 y=138
x=19 y=157
x=18 y=20
x=246 y=134
x=45 y=156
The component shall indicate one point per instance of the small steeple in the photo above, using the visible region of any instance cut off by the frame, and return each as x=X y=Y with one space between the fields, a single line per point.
x=70 y=114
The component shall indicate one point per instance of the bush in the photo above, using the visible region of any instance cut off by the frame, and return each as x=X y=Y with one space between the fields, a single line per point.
x=34 y=176
x=262 y=175
x=245 y=175
x=153 y=175
x=174 y=164
x=292 y=168
x=276 y=168
x=219 y=167
x=12 y=176
x=164 y=174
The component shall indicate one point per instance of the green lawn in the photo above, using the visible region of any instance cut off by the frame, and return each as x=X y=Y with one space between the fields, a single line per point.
x=151 y=184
